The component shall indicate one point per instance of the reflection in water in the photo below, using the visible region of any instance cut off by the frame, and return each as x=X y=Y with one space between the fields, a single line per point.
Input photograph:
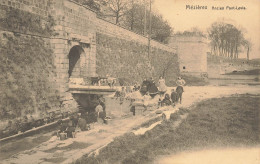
x=218 y=156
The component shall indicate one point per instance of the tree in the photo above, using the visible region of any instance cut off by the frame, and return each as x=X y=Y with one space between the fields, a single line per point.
x=118 y=7
x=161 y=30
x=167 y=65
x=248 y=45
x=131 y=15
x=226 y=40
x=134 y=18
x=135 y=21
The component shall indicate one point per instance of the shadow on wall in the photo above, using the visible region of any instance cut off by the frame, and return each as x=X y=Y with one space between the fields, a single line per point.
x=74 y=61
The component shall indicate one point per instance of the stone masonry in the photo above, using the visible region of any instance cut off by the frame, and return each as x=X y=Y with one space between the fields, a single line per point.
x=192 y=54
x=78 y=26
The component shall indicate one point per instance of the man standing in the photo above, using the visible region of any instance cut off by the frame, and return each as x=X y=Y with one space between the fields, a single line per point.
x=180 y=83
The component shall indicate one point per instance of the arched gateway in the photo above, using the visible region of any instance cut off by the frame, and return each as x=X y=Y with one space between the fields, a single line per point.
x=76 y=62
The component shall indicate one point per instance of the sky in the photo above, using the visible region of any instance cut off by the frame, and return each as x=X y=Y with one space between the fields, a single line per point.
x=182 y=18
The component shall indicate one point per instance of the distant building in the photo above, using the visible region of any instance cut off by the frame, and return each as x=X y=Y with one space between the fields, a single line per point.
x=192 y=54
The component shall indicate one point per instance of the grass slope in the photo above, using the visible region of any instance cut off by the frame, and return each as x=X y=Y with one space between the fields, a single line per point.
x=222 y=122
x=27 y=76
x=26 y=63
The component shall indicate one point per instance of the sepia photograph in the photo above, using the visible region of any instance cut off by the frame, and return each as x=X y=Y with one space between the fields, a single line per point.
x=129 y=82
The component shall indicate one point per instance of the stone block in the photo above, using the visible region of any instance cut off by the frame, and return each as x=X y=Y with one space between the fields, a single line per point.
x=59 y=46
x=58 y=41
x=58 y=51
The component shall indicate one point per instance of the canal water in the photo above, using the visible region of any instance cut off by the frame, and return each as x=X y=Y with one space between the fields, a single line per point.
x=225 y=80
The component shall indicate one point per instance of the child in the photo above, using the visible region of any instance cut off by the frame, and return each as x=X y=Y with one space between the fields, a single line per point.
x=159 y=103
x=132 y=108
x=166 y=101
x=174 y=97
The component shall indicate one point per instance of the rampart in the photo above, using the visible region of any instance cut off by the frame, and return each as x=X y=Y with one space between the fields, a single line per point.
x=124 y=54
x=192 y=52
x=63 y=29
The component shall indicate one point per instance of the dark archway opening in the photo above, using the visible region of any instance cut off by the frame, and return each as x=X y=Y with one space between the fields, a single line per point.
x=74 y=62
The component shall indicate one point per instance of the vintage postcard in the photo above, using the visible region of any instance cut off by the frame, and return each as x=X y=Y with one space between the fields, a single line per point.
x=129 y=81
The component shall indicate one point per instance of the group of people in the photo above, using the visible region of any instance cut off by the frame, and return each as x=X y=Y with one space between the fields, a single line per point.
x=149 y=89
x=149 y=86
x=83 y=121
x=176 y=95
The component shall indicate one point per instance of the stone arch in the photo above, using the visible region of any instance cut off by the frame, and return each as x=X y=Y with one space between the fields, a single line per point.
x=76 y=56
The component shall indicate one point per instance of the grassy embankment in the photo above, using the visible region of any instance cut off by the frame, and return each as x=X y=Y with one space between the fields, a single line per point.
x=26 y=64
x=222 y=122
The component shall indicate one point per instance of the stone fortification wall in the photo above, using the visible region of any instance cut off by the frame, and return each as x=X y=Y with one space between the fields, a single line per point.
x=192 y=54
x=129 y=60
x=124 y=54
x=28 y=71
x=55 y=27
x=74 y=27
x=40 y=7
x=112 y=30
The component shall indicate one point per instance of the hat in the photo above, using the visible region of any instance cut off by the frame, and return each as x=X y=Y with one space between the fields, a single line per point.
x=179 y=78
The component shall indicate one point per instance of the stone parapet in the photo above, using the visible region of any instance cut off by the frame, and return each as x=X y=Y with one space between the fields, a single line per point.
x=113 y=30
